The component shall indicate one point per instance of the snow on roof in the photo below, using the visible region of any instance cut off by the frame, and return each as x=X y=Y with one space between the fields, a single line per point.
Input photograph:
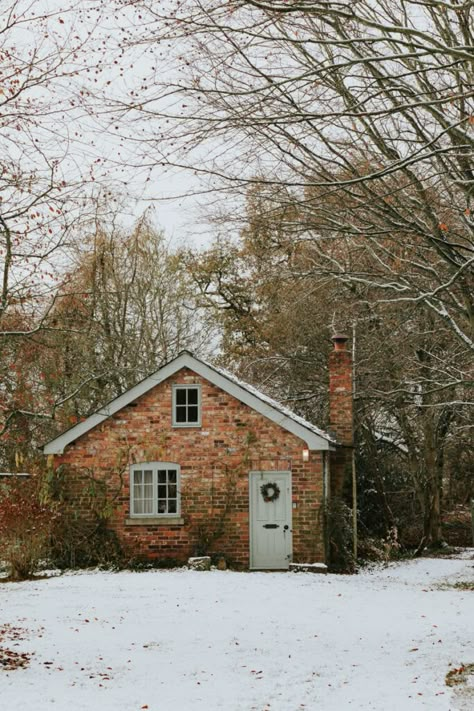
x=273 y=403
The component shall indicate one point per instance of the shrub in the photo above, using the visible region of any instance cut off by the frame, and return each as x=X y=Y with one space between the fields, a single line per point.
x=79 y=543
x=457 y=526
x=339 y=532
x=80 y=537
x=141 y=564
x=25 y=527
x=370 y=548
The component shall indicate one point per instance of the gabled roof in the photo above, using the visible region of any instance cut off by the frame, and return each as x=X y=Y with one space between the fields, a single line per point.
x=266 y=406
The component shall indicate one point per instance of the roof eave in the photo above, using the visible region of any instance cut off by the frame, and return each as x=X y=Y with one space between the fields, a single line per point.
x=313 y=440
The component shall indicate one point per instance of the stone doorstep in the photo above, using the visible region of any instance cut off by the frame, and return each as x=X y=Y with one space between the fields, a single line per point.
x=200 y=563
x=308 y=568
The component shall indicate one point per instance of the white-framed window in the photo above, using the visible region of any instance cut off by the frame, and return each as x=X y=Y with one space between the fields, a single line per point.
x=154 y=489
x=186 y=405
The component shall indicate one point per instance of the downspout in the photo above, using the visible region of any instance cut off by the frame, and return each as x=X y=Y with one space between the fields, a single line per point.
x=326 y=496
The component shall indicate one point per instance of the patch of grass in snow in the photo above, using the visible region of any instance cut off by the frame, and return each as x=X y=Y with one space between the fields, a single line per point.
x=464 y=585
x=460 y=675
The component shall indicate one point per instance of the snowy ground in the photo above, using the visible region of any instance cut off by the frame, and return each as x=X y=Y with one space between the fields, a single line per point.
x=191 y=641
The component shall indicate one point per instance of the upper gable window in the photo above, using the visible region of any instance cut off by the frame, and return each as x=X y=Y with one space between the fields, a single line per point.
x=186 y=405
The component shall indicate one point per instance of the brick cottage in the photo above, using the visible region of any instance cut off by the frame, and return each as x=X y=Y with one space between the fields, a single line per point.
x=194 y=461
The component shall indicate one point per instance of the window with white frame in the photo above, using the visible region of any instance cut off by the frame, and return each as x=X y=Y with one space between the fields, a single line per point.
x=154 y=489
x=186 y=406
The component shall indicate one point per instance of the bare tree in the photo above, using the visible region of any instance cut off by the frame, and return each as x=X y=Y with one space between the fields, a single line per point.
x=49 y=57
x=362 y=113
x=127 y=309
x=411 y=395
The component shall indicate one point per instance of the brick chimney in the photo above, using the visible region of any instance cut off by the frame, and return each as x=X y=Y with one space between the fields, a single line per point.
x=341 y=415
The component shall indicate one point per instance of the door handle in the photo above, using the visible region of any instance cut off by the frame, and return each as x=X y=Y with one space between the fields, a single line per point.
x=285 y=528
x=271 y=525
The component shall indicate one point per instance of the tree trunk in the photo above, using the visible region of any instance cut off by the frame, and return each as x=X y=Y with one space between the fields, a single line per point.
x=432 y=531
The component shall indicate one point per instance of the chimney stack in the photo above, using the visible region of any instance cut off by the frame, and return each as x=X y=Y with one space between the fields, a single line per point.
x=341 y=413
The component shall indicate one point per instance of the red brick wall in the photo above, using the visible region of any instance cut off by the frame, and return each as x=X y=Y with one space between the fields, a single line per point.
x=233 y=440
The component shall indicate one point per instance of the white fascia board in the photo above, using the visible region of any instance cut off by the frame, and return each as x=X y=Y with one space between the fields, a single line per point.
x=56 y=446
x=186 y=360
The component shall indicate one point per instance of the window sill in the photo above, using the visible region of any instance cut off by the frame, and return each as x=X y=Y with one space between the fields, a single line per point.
x=186 y=425
x=156 y=521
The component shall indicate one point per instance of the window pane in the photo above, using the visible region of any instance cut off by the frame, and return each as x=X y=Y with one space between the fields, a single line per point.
x=172 y=506
x=181 y=396
x=181 y=414
x=172 y=491
x=172 y=476
x=162 y=506
x=137 y=477
x=162 y=491
x=161 y=476
x=148 y=506
x=193 y=413
x=138 y=506
x=148 y=476
x=192 y=396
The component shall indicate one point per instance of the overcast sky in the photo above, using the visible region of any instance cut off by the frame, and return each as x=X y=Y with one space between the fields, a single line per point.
x=102 y=142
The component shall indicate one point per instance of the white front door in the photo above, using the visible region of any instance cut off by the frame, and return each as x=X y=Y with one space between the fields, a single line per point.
x=270 y=520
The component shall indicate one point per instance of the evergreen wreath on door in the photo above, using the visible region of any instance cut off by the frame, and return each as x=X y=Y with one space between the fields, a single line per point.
x=270 y=491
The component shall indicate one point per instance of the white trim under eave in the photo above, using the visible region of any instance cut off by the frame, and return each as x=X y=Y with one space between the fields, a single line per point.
x=313 y=440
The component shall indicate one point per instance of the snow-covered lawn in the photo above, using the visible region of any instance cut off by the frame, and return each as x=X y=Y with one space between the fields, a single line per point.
x=188 y=641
